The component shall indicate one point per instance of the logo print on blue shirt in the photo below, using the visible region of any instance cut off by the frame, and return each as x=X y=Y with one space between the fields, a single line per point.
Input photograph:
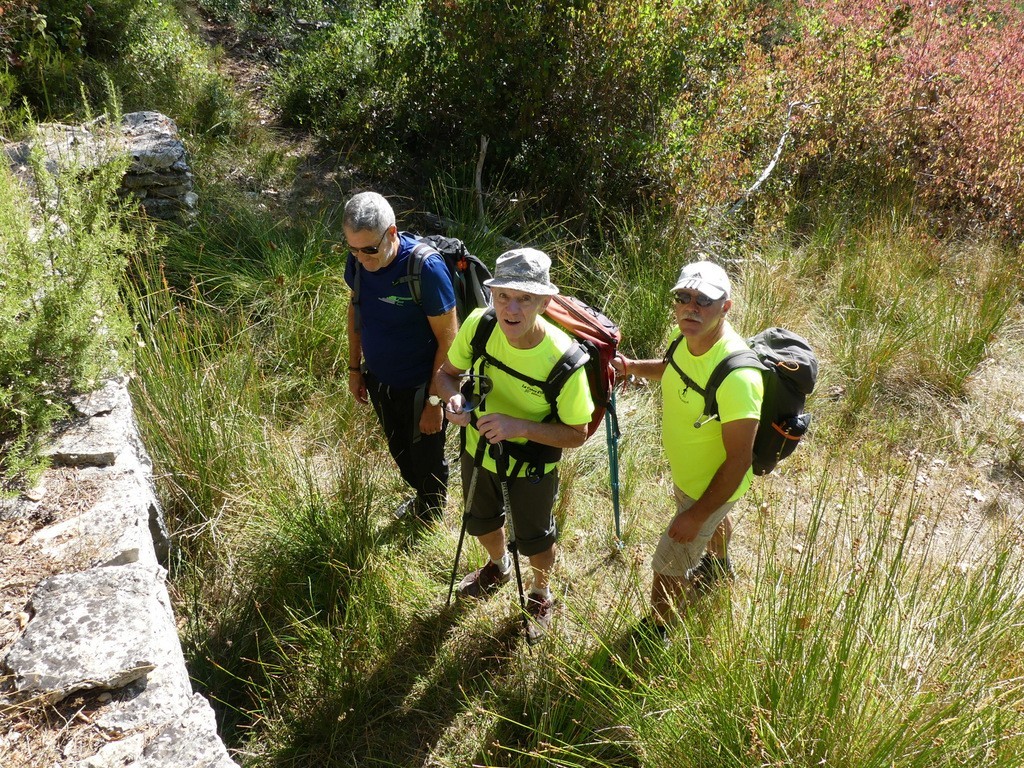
x=397 y=301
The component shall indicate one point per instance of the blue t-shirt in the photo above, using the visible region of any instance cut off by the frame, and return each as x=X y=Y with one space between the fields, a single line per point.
x=398 y=344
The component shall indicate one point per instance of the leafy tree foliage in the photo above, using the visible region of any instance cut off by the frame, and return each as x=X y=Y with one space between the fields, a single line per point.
x=922 y=97
x=61 y=57
x=685 y=104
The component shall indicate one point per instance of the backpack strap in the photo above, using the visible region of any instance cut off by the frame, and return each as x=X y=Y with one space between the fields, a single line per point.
x=357 y=271
x=478 y=346
x=670 y=359
x=414 y=269
x=484 y=329
x=413 y=277
x=743 y=358
x=566 y=365
x=571 y=361
x=534 y=455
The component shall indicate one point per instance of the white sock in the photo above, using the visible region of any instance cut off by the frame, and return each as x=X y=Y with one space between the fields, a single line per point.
x=543 y=593
x=504 y=564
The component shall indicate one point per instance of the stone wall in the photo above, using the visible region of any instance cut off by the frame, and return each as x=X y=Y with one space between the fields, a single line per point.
x=85 y=615
x=158 y=173
x=99 y=623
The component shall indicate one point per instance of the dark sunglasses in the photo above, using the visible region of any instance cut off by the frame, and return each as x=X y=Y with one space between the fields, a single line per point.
x=475 y=388
x=700 y=298
x=373 y=249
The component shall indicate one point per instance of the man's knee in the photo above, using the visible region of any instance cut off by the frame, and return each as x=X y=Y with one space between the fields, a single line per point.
x=538 y=546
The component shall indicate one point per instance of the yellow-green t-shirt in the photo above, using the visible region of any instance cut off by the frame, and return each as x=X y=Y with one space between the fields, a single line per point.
x=695 y=454
x=512 y=396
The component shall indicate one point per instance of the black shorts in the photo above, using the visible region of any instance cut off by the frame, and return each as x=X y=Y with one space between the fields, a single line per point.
x=532 y=505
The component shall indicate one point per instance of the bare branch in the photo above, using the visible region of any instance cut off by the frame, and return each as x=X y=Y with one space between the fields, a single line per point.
x=738 y=203
x=479 y=189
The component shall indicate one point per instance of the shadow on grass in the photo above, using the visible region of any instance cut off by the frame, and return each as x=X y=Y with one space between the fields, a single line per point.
x=396 y=714
x=577 y=711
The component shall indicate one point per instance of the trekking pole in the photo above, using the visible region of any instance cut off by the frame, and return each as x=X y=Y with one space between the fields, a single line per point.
x=470 y=495
x=501 y=461
x=611 y=426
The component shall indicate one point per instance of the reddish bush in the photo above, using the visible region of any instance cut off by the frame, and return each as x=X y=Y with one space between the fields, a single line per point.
x=921 y=93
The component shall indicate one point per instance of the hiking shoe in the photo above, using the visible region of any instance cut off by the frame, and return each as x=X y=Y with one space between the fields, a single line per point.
x=411 y=506
x=708 y=572
x=483 y=582
x=540 y=610
x=649 y=631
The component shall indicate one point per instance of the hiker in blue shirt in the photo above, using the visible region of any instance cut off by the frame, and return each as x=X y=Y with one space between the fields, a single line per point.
x=395 y=345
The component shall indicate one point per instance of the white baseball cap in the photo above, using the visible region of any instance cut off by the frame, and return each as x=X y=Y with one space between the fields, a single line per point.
x=706 y=277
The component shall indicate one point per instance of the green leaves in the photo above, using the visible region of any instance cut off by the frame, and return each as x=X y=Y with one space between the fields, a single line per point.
x=60 y=323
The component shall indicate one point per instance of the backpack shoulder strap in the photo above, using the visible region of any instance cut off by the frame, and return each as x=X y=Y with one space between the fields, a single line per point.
x=571 y=361
x=484 y=329
x=670 y=359
x=574 y=358
x=743 y=358
x=478 y=346
x=357 y=273
x=414 y=269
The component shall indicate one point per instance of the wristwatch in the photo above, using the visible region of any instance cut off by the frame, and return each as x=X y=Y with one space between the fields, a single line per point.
x=434 y=400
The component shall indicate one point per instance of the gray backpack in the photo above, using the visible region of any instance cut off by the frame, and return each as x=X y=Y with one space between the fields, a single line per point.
x=790 y=370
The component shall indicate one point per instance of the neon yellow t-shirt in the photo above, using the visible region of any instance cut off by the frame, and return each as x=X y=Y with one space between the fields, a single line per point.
x=695 y=454
x=513 y=396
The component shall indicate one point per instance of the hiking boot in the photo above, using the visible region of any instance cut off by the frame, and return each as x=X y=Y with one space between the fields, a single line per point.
x=540 y=610
x=411 y=506
x=649 y=631
x=483 y=582
x=708 y=572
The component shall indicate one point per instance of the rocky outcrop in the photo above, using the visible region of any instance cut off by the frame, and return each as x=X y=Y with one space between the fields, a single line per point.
x=102 y=624
x=158 y=174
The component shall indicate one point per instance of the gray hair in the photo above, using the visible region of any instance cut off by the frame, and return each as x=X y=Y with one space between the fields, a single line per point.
x=368 y=211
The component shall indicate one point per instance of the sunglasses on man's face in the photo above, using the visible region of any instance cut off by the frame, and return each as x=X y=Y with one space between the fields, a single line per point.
x=371 y=250
x=700 y=298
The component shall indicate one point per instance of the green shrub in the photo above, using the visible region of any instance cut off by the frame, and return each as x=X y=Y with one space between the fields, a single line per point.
x=60 y=323
x=339 y=81
x=919 y=99
x=575 y=98
x=58 y=51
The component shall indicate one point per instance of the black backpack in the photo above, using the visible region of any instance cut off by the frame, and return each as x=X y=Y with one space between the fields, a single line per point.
x=790 y=371
x=466 y=271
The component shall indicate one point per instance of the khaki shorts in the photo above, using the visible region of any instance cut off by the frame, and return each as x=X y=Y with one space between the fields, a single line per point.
x=674 y=559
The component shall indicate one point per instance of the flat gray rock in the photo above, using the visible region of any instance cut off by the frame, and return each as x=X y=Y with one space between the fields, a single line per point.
x=96 y=441
x=116 y=754
x=73 y=617
x=113 y=394
x=114 y=530
x=189 y=742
